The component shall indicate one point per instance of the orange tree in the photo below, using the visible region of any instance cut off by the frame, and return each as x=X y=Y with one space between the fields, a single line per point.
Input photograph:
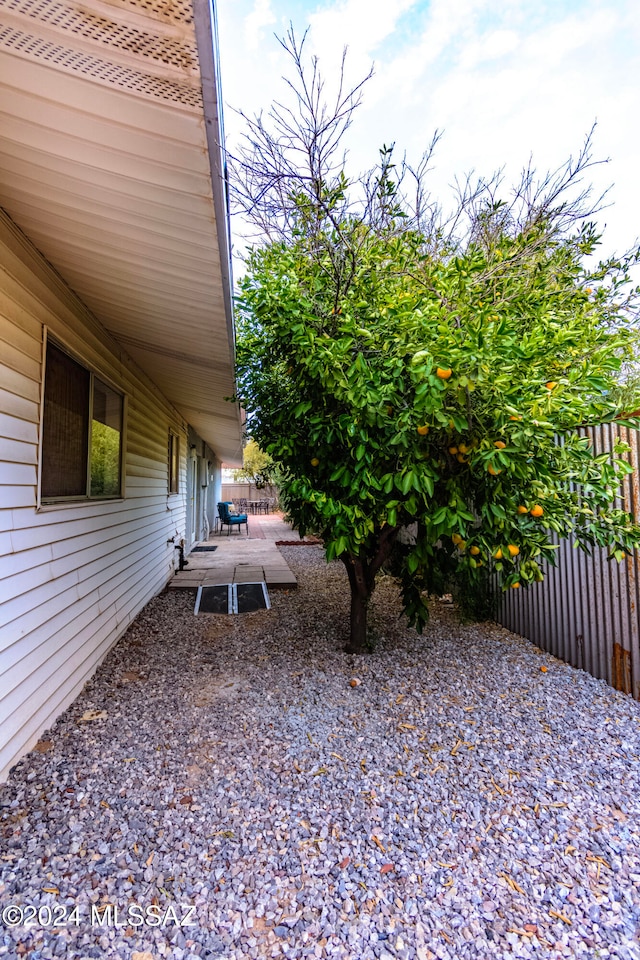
x=399 y=374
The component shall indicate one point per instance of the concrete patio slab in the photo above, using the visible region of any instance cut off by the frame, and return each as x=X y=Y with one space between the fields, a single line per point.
x=242 y=559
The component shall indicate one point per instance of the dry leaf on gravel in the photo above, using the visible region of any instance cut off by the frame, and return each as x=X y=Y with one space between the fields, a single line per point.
x=131 y=675
x=93 y=715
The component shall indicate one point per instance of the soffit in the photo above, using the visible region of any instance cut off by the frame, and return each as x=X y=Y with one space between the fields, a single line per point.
x=110 y=164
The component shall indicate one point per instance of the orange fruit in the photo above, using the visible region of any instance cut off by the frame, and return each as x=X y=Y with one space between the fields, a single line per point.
x=515 y=586
x=443 y=372
x=498 y=554
x=474 y=551
x=423 y=430
x=463 y=448
x=515 y=418
x=522 y=509
x=513 y=550
x=500 y=444
x=588 y=290
x=456 y=538
x=543 y=669
x=315 y=462
x=461 y=458
x=537 y=511
x=493 y=471
x=453 y=451
x=550 y=384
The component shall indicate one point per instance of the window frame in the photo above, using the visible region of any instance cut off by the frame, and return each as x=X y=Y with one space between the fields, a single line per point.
x=94 y=374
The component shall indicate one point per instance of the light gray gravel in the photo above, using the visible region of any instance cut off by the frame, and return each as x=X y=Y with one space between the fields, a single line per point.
x=460 y=802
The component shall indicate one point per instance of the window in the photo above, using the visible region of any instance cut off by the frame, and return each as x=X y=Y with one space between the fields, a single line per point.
x=81 y=432
x=174 y=462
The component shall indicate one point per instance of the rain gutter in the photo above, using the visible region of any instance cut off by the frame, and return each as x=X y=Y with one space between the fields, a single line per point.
x=206 y=29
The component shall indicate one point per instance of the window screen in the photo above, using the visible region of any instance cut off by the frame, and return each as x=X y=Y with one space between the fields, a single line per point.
x=174 y=462
x=65 y=433
x=81 y=431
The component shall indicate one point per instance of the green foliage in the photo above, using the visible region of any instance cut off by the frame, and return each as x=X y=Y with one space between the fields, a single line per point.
x=105 y=460
x=256 y=466
x=398 y=372
x=534 y=353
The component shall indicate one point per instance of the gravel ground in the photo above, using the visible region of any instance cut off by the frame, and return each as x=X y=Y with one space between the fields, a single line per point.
x=220 y=790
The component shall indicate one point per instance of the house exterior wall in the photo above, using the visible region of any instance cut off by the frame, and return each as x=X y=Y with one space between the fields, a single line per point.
x=204 y=473
x=72 y=575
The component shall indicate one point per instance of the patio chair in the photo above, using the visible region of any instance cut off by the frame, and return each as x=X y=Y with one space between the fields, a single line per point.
x=231 y=519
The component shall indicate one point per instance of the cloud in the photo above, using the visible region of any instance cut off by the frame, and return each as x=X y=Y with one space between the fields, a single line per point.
x=260 y=17
x=360 y=25
x=504 y=87
x=502 y=80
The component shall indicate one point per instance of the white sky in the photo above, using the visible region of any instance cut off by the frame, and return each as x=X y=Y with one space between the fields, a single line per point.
x=501 y=80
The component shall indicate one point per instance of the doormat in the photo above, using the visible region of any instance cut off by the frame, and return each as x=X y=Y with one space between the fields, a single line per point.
x=203 y=549
x=232 y=598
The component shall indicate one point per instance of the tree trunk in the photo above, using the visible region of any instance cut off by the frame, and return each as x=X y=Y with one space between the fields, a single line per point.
x=358 y=622
x=361 y=590
x=362 y=580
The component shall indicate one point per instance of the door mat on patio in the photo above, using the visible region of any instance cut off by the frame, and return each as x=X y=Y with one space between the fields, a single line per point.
x=203 y=549
x=232 y=598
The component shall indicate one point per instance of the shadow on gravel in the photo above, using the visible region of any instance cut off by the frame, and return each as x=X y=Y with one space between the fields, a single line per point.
x=220 y=789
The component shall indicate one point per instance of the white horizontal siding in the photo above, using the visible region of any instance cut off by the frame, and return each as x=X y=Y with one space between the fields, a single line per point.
x=21 y=657
x=20 y=407
x=18 y=475
x=74 y=575
x=18 y=362
x=18 y=384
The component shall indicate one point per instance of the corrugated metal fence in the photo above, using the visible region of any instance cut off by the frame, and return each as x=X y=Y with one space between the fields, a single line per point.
x=587 y=609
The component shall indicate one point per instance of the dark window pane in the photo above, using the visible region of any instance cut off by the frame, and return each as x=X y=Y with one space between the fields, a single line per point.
x=65 y=426
x=174 y=462
x=106 y=435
